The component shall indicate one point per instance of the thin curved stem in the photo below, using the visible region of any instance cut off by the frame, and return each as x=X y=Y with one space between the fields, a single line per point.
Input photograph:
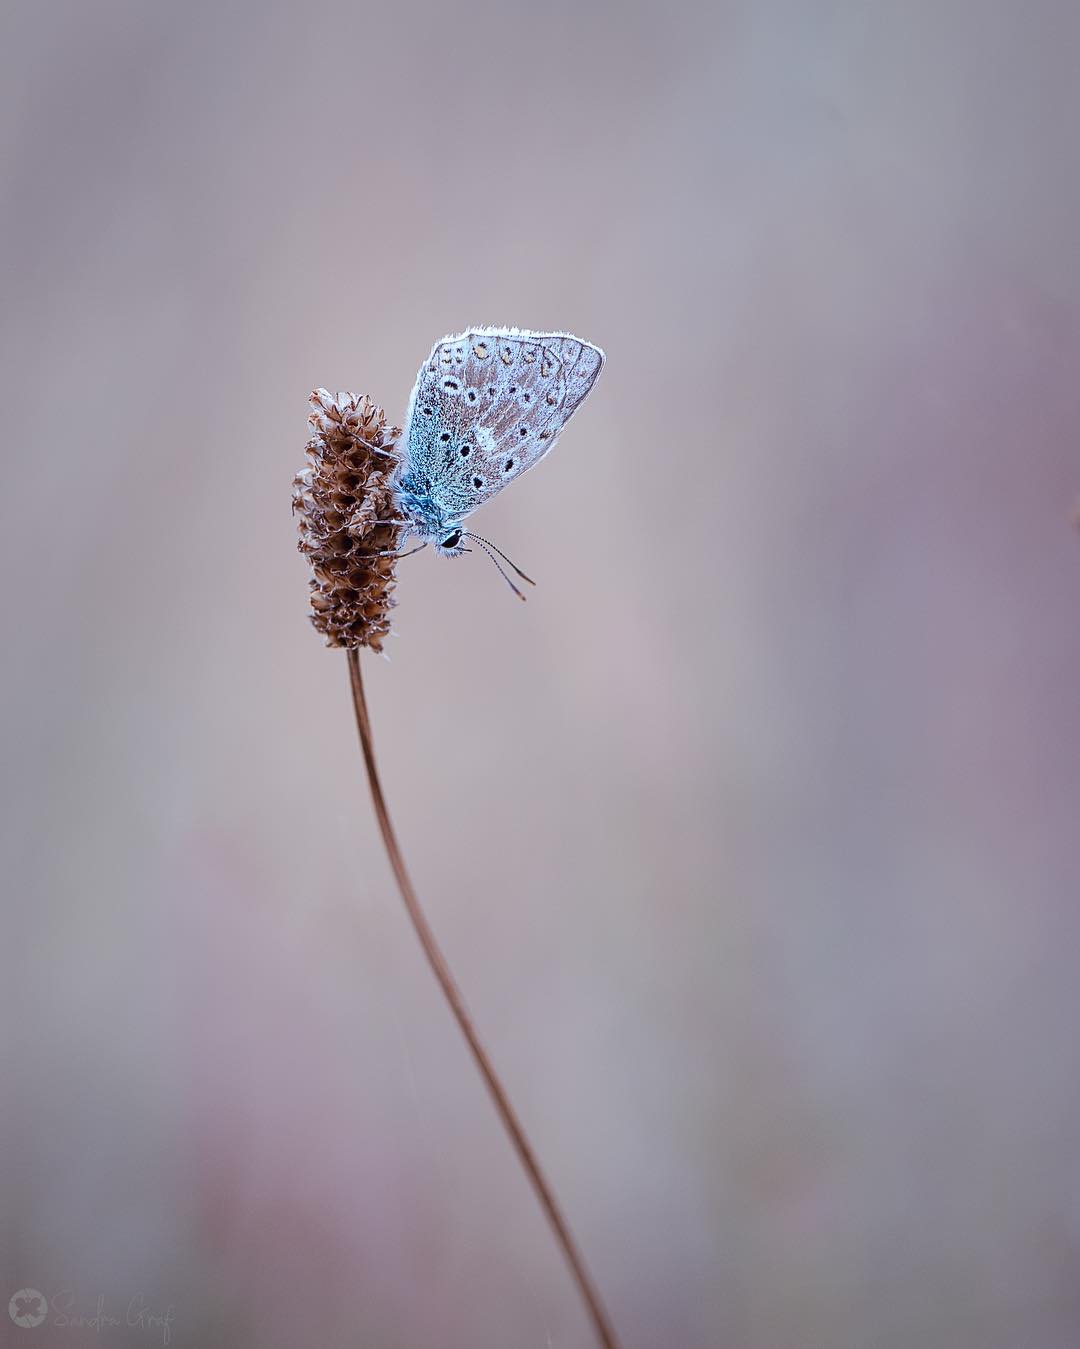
x=604 y=1331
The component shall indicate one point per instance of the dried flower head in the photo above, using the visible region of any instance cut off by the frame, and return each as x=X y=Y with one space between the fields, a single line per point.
x=344 y=501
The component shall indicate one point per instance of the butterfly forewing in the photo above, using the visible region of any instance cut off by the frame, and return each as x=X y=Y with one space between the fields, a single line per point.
x=489 y=404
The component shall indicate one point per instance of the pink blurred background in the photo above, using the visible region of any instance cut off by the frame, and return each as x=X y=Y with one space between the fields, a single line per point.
x=753 y=838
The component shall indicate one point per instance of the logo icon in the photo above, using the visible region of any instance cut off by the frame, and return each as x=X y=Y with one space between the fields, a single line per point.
x=28 y=1308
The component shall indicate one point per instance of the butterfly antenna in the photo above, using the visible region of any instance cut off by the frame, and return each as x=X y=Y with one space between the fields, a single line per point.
x=470 y=535
x=499 y=569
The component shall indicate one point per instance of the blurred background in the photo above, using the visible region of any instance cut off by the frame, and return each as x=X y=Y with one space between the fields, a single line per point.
x=753 y=838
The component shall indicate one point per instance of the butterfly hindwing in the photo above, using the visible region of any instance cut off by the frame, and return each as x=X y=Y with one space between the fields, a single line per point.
x=487 y=405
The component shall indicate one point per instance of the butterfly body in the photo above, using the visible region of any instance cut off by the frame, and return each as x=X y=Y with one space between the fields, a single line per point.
x=488 y=404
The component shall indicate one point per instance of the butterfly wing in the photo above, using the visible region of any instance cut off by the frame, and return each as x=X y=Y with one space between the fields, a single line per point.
x=487 y=405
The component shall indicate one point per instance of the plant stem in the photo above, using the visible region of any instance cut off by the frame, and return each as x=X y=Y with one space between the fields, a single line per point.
x=437 y=961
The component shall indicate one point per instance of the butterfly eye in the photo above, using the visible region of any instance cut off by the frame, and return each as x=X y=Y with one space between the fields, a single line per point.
x=452 y=540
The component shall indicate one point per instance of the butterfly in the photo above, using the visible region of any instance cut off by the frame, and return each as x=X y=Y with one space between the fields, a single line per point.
x=487 y=405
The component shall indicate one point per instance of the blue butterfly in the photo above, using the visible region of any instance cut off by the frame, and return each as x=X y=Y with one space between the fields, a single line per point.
x=487 y=405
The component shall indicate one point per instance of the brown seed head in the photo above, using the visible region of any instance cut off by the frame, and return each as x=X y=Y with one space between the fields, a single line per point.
x=341 y=498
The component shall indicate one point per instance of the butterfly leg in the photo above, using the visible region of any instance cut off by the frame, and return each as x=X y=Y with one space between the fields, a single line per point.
x=389 y=552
